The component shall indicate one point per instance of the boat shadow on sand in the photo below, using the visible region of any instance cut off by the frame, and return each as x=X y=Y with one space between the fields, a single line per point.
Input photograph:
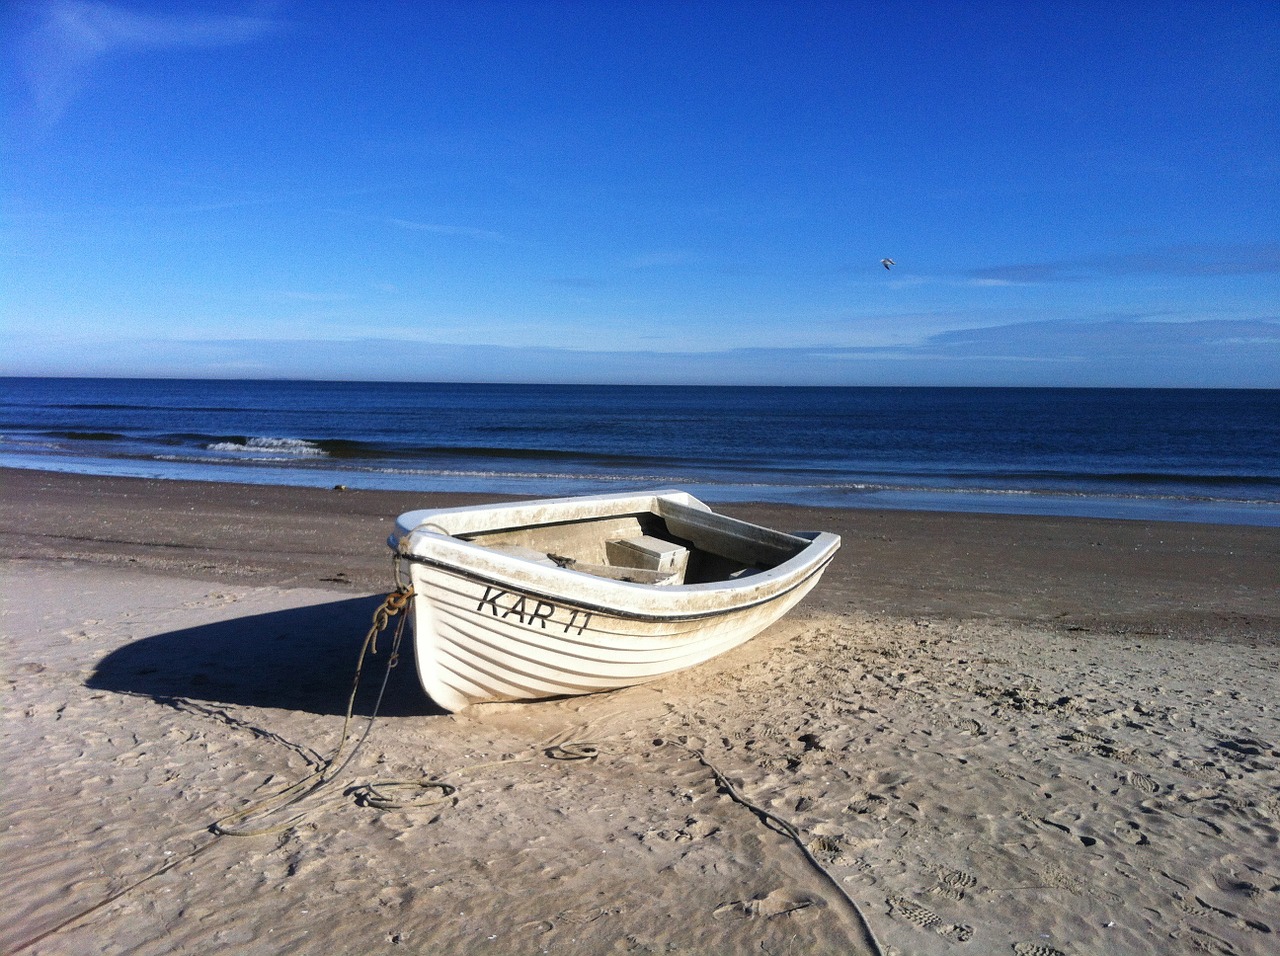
x=300 y=659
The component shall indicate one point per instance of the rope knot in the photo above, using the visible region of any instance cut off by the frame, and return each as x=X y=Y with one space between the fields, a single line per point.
x=398 y=600
x=395 y=602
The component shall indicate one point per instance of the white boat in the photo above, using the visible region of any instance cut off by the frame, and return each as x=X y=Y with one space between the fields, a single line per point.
x=570 y=596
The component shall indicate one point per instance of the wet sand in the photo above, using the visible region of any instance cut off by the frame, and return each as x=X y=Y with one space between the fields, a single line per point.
x=995 y=734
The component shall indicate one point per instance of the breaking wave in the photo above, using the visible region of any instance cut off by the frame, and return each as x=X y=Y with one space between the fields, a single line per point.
x=273 y=447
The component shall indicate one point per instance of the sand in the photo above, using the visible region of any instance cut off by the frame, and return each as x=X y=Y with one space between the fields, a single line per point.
x=991 y=734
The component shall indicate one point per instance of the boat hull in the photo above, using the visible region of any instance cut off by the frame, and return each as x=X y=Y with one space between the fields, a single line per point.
x=488 y=627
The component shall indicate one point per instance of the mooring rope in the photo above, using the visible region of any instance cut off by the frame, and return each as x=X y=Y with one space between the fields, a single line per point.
x=377 y=794
x=395 y=605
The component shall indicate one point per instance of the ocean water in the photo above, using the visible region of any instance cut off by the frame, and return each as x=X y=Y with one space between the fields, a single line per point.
x=1190 y=455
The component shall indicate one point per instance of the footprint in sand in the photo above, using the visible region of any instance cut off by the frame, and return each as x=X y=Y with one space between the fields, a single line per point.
x=928 y=919
x=1206 y=772
x=1036 y=949
x=769 y=906
x=1085 y=737
x=828 y=848
x=868 y=803
x=1238 y=877
x=87 y=631
x=1130 y=832
x=1052 y=826
x=1206 y=942
x=693 y=830
x=1203 y=910
x=952 y=883
x=1249 y=747
x=1060 y=879
x=1142 y=782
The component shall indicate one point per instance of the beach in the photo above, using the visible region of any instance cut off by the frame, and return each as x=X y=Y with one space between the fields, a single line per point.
x=985 y=734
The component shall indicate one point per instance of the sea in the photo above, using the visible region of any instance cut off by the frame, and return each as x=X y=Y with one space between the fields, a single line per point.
x=1141 y=454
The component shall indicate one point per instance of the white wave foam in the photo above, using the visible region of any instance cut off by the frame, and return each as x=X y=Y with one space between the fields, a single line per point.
x=274 y=447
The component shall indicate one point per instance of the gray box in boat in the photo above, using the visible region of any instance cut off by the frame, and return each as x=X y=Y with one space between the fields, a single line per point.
x=648 y=553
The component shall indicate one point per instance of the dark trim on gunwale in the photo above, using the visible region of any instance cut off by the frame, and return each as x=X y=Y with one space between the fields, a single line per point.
x=613 y=611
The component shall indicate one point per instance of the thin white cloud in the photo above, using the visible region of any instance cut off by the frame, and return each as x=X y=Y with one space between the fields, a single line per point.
x=863 y=355
x=466 y=232
x=1113 y=353
x=70 y=38
x=1206 y=259
x=658 y=260
x=299 y=296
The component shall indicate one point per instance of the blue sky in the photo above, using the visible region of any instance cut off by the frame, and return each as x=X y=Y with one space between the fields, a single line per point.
x=1074 y=193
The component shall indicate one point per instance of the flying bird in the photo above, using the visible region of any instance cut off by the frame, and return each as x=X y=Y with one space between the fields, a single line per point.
x=887 y=263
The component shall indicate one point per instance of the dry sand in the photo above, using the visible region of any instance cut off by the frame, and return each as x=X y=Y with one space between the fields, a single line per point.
x=994 y=734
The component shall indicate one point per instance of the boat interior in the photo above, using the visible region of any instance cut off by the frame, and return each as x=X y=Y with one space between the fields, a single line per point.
x=672 y=544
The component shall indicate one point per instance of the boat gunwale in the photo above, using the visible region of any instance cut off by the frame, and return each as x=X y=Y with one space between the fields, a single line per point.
x=424 y=539
x=799 y=578
x=555 y=511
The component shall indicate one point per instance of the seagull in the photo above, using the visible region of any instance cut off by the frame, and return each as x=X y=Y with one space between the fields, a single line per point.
x=887 y=262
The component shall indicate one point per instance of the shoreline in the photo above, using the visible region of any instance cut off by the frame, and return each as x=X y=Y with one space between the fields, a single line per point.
x=1032 y=735
x=1096 y=505
x=1160 y=577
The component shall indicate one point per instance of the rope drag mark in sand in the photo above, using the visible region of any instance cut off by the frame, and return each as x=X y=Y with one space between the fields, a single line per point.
x=774 y=822
x=185 y=705
x=118 y=895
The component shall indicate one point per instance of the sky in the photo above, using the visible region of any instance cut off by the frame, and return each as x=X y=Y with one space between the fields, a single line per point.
x=1073 y=194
